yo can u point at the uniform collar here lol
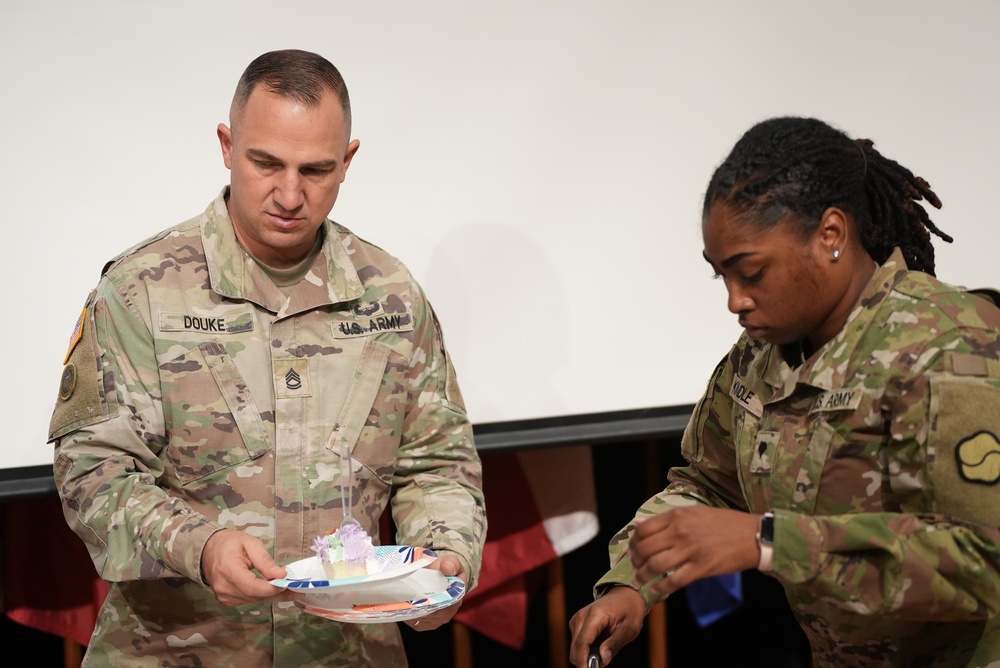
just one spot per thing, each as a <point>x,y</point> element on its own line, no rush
<point>829,366</point>
<point>233,273</point>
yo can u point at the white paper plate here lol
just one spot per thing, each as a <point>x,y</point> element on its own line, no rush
<point>416,595</point>
<point>397,561</point>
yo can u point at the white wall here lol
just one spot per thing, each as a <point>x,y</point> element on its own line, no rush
<point>539,165</point>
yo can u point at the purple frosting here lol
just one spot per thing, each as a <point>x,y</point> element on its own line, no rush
<point>357,543</point>
<point>321,545</point>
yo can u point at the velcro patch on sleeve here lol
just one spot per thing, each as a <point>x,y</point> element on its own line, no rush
<point>75,336</point>
<point>81,400</point>
<point>964,439</point>
<point>78,328</point>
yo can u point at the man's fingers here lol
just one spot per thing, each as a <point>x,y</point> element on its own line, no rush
<point>450,565</point>
<point>261,560</point>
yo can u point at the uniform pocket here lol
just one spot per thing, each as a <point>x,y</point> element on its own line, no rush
<point>371,421</point>
<point>812,466</point>
<point>212,420</point>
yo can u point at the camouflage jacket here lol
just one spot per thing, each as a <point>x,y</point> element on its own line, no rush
<point>196,397</point>
<point>880,457</point>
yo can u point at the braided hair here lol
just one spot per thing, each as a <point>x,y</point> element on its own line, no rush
<point>802,166</point>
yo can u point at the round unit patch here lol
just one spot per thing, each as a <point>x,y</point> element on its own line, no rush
<point>68,382</point>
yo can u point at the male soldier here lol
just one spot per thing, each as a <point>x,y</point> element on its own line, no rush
<point>215,374</point>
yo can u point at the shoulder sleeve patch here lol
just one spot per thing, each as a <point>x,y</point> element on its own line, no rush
<point>964,446</point>
<point>978,458</point>
<point>74,338</point>
<point>81,396</point>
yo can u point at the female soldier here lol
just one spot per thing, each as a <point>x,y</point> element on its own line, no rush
<point>849,443</point>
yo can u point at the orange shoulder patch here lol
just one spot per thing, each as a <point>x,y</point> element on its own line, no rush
<point>77,334</point>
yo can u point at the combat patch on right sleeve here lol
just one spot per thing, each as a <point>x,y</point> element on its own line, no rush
<point>80,399</point>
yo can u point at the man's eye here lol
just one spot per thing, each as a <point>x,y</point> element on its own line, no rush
<point>264,164</point>
<point>754,278</point>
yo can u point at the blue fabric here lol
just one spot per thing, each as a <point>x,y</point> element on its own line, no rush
<point>713,598</point>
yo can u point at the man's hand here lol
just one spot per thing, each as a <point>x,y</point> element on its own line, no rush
<point>449,565</point>
<point>229,561</point>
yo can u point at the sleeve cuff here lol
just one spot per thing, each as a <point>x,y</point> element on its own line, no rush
<point>187,546</point>
<point>622,574</point>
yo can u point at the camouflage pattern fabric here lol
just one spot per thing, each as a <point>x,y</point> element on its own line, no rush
<point>198,397</point>
<point>880,456</point>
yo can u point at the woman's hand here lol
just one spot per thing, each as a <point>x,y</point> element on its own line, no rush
<point>619,611</point>
<point>688,544</point>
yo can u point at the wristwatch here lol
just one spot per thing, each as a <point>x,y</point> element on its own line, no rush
<point>765,539</point>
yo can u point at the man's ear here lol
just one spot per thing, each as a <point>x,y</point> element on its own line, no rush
<point>226,142</point>
<point>352,149</point>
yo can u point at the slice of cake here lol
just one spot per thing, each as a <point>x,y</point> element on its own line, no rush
<point>346,553</point>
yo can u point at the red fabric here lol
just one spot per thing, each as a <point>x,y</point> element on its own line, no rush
<point>49,582</point>
<point>517,544</point>
<point>501,614</point>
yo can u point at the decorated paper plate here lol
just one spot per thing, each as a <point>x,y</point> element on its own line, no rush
<point>397,561</point>
<point>418,594</point>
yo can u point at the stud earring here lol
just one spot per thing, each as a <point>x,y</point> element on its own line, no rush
<point>836,255</point>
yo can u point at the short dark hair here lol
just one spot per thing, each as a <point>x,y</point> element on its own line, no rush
<point>802,166</point>
<point>294,74</point>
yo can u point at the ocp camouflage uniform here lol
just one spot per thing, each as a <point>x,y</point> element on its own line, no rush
<point>880,457</point>
<point>199,398</point>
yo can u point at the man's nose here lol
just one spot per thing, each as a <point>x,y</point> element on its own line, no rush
<point>288,191</point>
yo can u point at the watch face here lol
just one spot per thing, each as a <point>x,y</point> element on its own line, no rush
<point>767,529</point>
